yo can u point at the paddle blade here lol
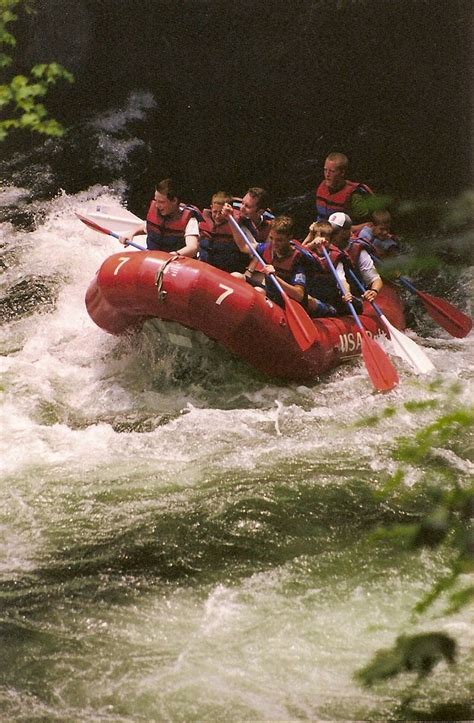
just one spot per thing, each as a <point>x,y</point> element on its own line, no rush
<point>299,324</point>
<point>379,367</point>
<point>95,226</point>
<point>446,315</point>
<point>408,350</point>
<point>116,219</point>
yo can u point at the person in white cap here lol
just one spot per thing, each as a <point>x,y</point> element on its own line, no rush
<point>324,295</point>
<point>361,260</point>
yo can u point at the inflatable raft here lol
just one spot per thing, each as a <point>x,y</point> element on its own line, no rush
<point>185,294</point>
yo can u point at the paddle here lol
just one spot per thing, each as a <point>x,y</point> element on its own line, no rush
<point>298,321</point>
<point>379,367</point>
<point>403,346</point>
<point>445,314</point>
<point>96,227</point>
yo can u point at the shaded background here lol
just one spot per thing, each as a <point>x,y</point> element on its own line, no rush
<point>257,93</point>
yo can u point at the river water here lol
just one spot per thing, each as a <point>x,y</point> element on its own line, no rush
<point>183,540</point>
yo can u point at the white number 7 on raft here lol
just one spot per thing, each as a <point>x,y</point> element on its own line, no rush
<point>228,291</point>
<point>122,260</point>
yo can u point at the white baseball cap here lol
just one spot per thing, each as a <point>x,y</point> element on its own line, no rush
<point>340,220</point>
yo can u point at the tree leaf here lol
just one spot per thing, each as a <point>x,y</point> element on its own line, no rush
<point>411,654</point>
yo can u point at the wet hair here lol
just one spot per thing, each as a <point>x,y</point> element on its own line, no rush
<point>322,228</point>
<point>260,195</point>
<point>283,224</point>
<point>222,197</point>
<point>167,187</point>
<point>341,160</point>
<point>381,216</point>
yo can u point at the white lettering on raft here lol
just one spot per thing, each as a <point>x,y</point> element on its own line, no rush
<point>228,290</point>
<point>351,342</point>
<point>122,260</point>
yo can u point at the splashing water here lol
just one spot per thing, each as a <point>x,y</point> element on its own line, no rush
<point>183,540</point>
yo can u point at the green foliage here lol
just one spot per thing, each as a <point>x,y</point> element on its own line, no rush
<point>421,406</point>
<point>433,528</point>
<point>460,212</point>
<point>410,654</point>
<point>401,535</point>
<point>393,483</point>
<point>447,522</point>
<point>7,16</point>
<point>19,95</point>
<point>372,419</point>
<point>421,262</point>
<point>437,434</point>
<point>461,598</point>
<point>363,205</point>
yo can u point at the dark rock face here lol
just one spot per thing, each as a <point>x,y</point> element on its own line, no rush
<point>259,93</point>
<point>27,296</point>
<point>60,32</point>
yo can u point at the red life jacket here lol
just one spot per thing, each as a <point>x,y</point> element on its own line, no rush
<point>335,254</point>
<point>222,232</point>
<point>354,250</point>
<point>217,246</point>
<point>363,243</point>
<point>165,233</point>
<point>284,268</point>
<point>260,232</point>
<point>320,281</point>
<point>328,203</point>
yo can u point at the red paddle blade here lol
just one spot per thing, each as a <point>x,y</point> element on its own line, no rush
<point>446,315</point>
<point>95,226</point>
<point>300,324</point>
<point>379,367</point>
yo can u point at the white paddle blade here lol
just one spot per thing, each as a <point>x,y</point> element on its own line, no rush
<point>118,220</point>
<point>408,350</point>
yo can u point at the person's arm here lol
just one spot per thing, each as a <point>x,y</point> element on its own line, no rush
<point>316,244</point>
<point>295,290</point>
<point>228,211</point>
<point>370,276</point>
<point>129,235</point>
<point>365,233</point>
<point>252,267</point>
<point>191,238</point>
<point>309,236</point>
<point>357,228</point>
<point>313,241</point>
<point>342,276</point>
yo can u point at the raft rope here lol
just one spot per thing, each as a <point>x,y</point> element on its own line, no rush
<point>159,277</point>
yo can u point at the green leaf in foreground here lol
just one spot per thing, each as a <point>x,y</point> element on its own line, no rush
<point>410,654</point>
<point>18,94</point>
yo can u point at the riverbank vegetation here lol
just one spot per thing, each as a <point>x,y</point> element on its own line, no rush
<point>20,94</point>
<point>433,451</point>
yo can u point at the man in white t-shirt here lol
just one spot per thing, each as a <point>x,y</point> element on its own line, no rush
<point>361,260</point>
<point>170,225</point>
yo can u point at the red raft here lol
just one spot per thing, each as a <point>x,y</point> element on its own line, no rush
<point>133,287</point>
